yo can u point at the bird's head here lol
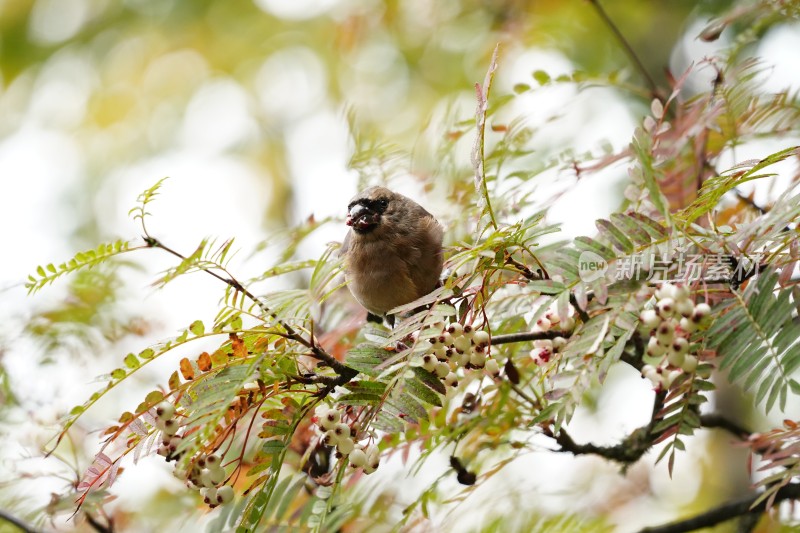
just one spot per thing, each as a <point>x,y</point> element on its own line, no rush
<point>367,209</point>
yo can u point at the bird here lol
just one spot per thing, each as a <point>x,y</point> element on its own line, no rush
<point>392,253</point>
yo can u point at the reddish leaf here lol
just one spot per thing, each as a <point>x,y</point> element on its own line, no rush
<point>186,369</point>
<point>204,362</point>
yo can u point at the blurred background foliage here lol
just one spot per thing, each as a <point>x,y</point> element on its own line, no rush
<point>121,77</point>
<point>109,85</point>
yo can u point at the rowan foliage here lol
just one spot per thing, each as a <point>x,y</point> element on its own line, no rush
<point>688,281</point>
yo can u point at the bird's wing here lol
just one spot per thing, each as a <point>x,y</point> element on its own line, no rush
<point>424,257</point>
<point>345,245</point>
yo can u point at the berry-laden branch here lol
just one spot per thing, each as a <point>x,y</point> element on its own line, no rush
<point>741,507</point>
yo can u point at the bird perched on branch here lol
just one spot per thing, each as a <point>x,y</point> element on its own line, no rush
<point>393,251</point>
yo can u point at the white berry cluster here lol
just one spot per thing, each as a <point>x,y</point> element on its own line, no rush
<point>168,424</point>
<point>338,434</point>
<point>670,324</point>
<point>206,475</point>
<point>456,347</point>
<point>544,349</point>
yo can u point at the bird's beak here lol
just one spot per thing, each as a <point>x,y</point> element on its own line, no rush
<point>361,217</point>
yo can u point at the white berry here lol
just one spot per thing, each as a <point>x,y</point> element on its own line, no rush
<point>329,438</point>
<point>480,338</point>
<point>209,495</point>
<point>667,290</point>
<point>685,308</point>
<point>357,458</point>
<point>216,474</point>
<point>442,369</point>
<point>546,344</point>
<point>688,325</point>
<point>429,362</point>
<point>342,431</point>
<point>477,359</point>
<point>650,318</point>
<point>700,312</point>
<point>654,349</point>
<point>462,344</point>
<point>675,358</point>
<point>665,333</point>
<point>665,308</point>
<point>165,410</point>
<point>225,494</point>
<point>455,329</point>
<point>345,446</point>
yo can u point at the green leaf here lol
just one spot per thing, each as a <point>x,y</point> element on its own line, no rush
<point>87,259</point>
<point>642,146</point>
<point>131,361</point>
<point>197,328</point>
<point>716,187</point>
<point>755,337</point>
<point>547,286</point>
<point>591,245</point>
<point>430,380</point>
<point>360,398</point>
<point>615,235</point>
<point>542,77</point>
<point>365,357</point>
<point>422,392</point>
<point>407,408</point>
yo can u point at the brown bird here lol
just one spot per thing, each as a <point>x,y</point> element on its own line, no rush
<point>393,251</point>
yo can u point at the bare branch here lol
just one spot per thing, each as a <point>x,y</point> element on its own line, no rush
<point>723,513</point>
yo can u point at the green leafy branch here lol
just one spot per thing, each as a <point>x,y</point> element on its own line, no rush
<point>87,259</point>
<point>756,338</point>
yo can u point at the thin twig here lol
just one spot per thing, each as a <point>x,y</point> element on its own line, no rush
<point>626,47</point>
<point>316,351</point>
<point>573,300</point>
<point>526,336</point>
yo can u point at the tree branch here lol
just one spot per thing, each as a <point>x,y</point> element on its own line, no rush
<point>635,445</point>
<point>316,351</point>
<point>627,452</point>
<point>713,420</point>
<point>526,336</point>
<point>725,512</point>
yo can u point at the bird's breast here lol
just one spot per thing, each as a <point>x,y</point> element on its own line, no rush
<point>378,275</point>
